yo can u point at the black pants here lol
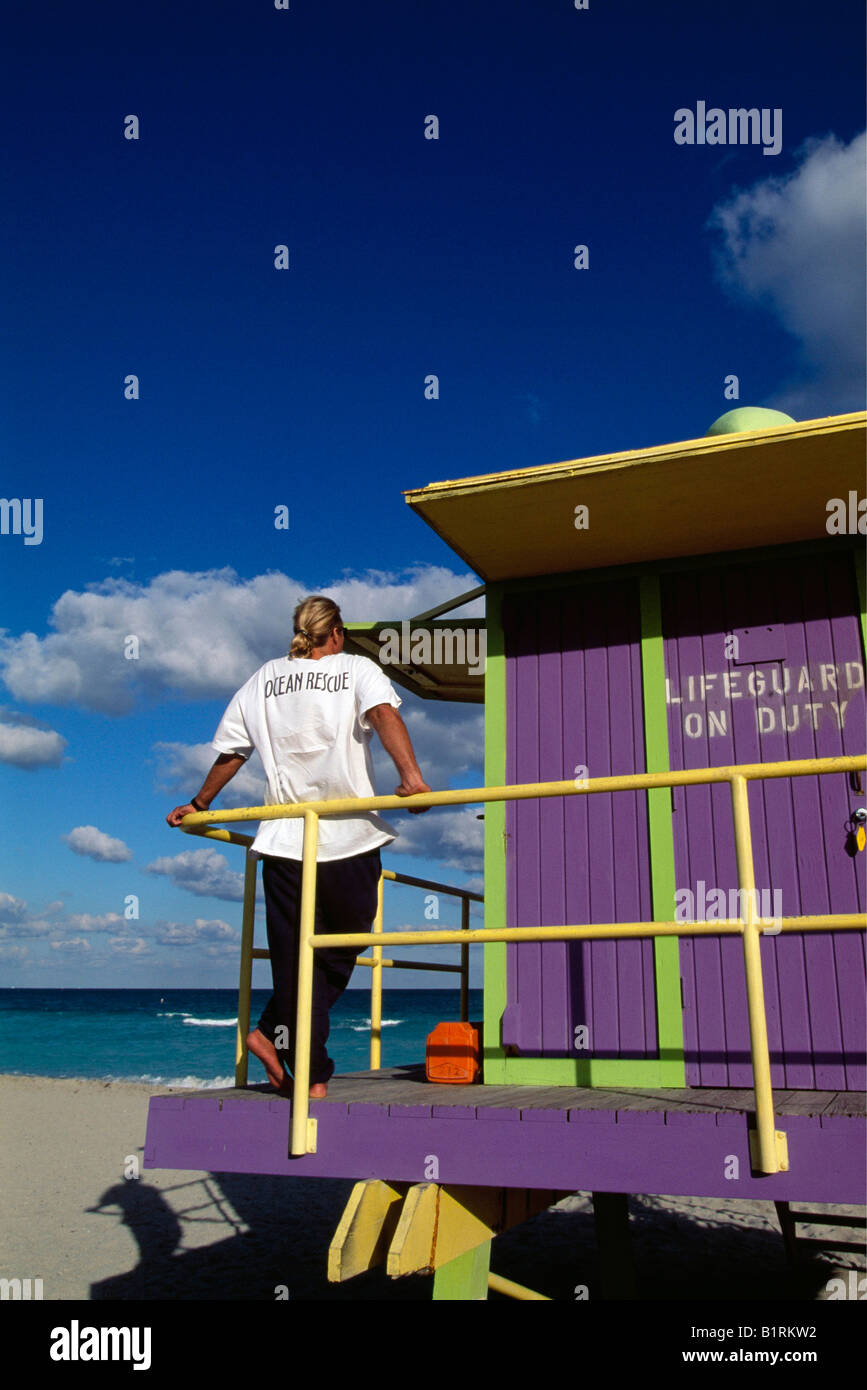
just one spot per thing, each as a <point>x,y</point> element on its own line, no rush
<point>346,891</point>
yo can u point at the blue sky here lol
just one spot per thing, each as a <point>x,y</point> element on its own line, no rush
<point>304,387</point>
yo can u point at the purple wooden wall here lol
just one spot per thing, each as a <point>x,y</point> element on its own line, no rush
<point>573,697</point>
<point>796,626</point>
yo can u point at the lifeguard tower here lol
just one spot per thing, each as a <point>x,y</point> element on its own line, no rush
<point>674,802</point>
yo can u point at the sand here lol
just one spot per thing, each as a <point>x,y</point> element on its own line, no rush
<point>71,1216</point>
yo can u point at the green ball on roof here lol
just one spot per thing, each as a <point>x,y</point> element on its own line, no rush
<point>749,417</point>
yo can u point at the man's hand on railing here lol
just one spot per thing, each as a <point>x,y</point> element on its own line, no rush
<point>412,787</point>
<point>176,816</point>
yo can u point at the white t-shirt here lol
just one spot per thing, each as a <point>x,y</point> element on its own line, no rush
<point>306,720</point>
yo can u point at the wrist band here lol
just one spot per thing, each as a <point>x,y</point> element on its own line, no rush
<point>194,802</point>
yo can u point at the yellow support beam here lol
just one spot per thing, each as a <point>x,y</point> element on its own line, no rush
<point>768,1155</point>
<point>513,1290</point>
<point>853,921</point>
<point>366,1228</point>
<point>437,1224</point>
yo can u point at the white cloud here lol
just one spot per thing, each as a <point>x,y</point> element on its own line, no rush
<point>12,910</point>
<point>452,838</point>
<point>129,946</point>
<point>202,871</point>
<point>203,931</point>
<point>448,740</point>
<point>11,953</point>
<point>16,918</point>
<point>77,945</point>
<point>796,245</point>
<point>95,844</point>
<point>88,921</point>
<point>200,635</point>
<point>27,742</point>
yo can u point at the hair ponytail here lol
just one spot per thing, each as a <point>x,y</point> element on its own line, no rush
<point>313,620</point>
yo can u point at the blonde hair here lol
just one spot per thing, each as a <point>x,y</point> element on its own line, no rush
<point>313,621</point>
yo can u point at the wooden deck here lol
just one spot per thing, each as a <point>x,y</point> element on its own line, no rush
<point>392,1124</point>
<point>398,1087</point>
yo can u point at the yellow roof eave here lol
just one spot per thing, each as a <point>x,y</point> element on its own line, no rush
<point>696,496</point>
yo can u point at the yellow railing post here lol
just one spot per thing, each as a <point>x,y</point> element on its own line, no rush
<point>376,988</point>
<point>765,1122</point>
<point>465,963</point>
<point>301,1070</point>
<point>245,980</point>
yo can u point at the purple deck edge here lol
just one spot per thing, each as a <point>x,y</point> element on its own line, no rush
<point>651,1152</point>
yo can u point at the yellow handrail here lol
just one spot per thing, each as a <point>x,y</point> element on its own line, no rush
<point>768,1157</point>
<point>632,781</point>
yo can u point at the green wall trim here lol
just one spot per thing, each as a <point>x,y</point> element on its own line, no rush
<point>647,1072</point>
<point>860,558</point>
<point>666,950</point>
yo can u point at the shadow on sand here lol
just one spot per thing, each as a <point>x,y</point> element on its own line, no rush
<point>270,1238</point>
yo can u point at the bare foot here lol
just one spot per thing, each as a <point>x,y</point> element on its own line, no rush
<point>319,1090</point>
<point>264,1049</point>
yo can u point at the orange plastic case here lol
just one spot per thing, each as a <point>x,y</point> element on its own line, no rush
<point>453,1053</point>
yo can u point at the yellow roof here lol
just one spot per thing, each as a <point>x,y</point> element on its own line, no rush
<point>698,496</point>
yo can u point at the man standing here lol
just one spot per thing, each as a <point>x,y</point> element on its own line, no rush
<point>310,716</point>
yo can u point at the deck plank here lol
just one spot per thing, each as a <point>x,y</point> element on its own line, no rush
<point>846,1103</point>
<point>400,1087</point>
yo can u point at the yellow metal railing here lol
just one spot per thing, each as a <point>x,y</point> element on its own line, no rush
<point>770,1152</point>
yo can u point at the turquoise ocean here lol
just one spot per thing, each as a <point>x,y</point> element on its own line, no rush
<point>186,1037</point>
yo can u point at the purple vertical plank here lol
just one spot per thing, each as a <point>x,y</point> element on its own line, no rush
<point>576,808</point>
<point>628,905</point>
<point>554,955</point>
<point>831,832</point>
<point>810,893</point>
<point>748,600</point>
<point>512,1009</point>
<point>619,861</point>
<point>780,841</point>
<point>635,959</point>
<point>522,766</point>
<point>671,622</point>
<point>602,954</point>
